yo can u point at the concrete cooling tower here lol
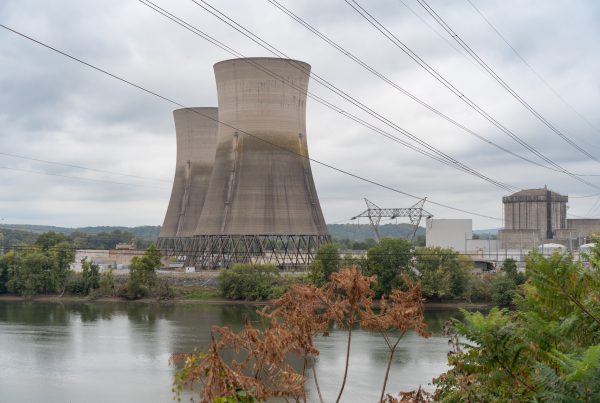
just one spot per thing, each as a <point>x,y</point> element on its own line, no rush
<point>261,205</point>
<point>196,133</point>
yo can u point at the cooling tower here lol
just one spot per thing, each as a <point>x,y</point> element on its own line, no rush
<point>261,202</point>
<point>196,133</point>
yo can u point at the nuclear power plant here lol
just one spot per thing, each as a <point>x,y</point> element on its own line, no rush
<point>538,216</point>
<point>243,190</point>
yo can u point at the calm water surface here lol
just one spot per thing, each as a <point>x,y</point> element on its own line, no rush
<point>116,352</point>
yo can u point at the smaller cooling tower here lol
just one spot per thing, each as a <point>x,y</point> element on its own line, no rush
<point>196,133</point>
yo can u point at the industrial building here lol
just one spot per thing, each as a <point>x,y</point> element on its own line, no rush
<point>243,189</point>
<point>449,233</point>
<point>534,217</point>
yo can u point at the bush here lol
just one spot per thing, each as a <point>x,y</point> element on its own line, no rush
<point>107,283</point>
<point>135,289</point>
<point>250,282</point>
<point>163,291</point>
<point>480,289</point>
<point>504,290</point>
<point>76,285</point>
<point>106,286</point>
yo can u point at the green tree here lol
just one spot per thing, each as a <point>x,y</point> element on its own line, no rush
<point>387,260</point>
<point>31,273</point>
<point>443,272</point>
<point>142,273</point>
<point>62,256</point>
<point>433,265</point>
<point>50,239</point>
<point>90,273</point>
<point>327,261</point>
<point>6,262</point>
<point>546,350</point>
<point>509,266</point>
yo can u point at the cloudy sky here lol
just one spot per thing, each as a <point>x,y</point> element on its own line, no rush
<point>55,110</point>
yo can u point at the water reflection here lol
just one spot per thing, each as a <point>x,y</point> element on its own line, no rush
<point>99,352</point>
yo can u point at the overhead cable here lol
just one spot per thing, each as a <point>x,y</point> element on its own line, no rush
<point>82,167</point>
<point>171,101</point>
<point>534,71</point>
<point>430,151</point>
<point>417,59</point>
<point>501,82</point>
<point>402,90</point>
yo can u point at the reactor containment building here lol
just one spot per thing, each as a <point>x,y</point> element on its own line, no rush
<point>243,189</point>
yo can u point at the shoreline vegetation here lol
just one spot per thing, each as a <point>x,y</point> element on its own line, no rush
<point>445,276</point>
<point>544,348</point>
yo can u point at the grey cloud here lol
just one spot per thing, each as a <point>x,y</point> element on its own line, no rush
<point>53,109</point>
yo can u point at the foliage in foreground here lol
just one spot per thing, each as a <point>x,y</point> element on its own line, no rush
<point>261,368</point>
<point>547,350</point>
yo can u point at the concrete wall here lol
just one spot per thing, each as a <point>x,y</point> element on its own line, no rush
<point>448,233</point>
<point>530,213</point>
<point>520,239</point>
<point>196,132</point>
<point>105,258</point>
<point>100,257</point>
<point>261,187</point>
<point>584,226</point>
<point>482,245</point>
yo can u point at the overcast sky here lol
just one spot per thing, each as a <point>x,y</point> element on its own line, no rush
<point>54,109</point>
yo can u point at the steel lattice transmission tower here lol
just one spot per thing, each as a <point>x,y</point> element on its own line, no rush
<point>375,213</point>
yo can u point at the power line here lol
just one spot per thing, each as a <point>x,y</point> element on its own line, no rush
<point>585,196</point>
<point>417,59</point>
<point>428,25</point>
<point>437,154</point>
<point>387,80</point>
<point>82,167</point>
<point>500,81</point>
<point>164,98</point>
<point>78,178</point>
<point>538,75</point>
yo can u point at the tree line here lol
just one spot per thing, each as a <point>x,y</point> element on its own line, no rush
<point>44,267</point>
<point>444,274</point>
<point>13,239</point>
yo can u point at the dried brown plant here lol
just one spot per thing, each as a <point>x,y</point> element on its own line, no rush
<point>415,396</point>
<point>403,311</point>
<point>292,323</point>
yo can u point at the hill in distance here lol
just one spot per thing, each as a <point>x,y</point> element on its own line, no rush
<point>362,232</point>
<point>353,232</point>
<point>144,232</point>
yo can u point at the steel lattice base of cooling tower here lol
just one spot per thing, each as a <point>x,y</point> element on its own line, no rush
<point>216,251</point>
<point>175,246</point>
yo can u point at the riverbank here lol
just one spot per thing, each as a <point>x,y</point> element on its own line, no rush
<point>214,299</point>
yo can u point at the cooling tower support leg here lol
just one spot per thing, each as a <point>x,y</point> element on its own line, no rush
<point>176,247</point>
<point>283,251</point>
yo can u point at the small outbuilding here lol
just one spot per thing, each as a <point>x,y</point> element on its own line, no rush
<point>550,248</point>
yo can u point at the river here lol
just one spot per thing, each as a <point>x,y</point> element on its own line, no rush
<point>101,352</point>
